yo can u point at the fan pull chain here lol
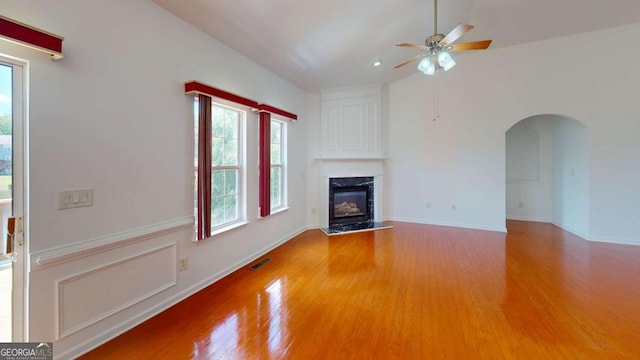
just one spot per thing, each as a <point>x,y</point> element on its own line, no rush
<point>435,98</point>
<point>436,108</point>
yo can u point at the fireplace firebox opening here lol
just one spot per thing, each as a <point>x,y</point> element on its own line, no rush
<point>350,200</point>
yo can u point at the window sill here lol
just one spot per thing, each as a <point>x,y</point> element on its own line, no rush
<point>226,229</point>
<point>280,210</point>
<point>275,212</point>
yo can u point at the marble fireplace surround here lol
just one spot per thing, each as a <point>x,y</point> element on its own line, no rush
<point>342,168</point>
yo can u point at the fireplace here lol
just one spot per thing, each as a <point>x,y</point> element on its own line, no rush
<point>351,196</point>
<point>350,200</point>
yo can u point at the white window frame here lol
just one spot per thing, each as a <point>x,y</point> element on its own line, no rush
<point>241,167</point>
<point>283,167</point>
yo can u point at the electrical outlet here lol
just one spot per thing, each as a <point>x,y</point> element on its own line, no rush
<point>183,264</point>
<point>453,207</point>
<point>428,205</point>
<point>520,205</point>
<point>313,211</point>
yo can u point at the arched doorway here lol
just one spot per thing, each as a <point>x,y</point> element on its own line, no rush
<point>547,172</point>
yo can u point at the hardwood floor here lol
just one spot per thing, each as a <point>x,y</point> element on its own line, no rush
<point>411,292</point>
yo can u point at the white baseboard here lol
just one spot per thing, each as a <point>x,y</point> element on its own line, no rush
<point>614,240</point>
<point>449,224</point>
<point>611,240</point>
<point>107,335</point>
<point>601,239</point>
<point>528,218</point>
<point>571,230</point>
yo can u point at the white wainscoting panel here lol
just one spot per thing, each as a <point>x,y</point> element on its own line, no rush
<point>350,123</point>
<point>98,293</point>
<point>353,131</point>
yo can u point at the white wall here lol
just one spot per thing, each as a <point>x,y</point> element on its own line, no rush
<point>529,170</point>
<point>112,116</point>
<point>460,158</point>
<point>571,176</point>
<point>449,171</point>
<point>314,188</point>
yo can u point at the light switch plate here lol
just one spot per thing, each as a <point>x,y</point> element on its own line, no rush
<point>68,199</point>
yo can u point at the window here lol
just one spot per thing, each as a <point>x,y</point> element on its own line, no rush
<point>225,188</point>
<point>278,177</point>
<point>226,165</point>
<point>220,182</point>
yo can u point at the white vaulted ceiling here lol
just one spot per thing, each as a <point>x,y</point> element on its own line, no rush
<point>333,43</point>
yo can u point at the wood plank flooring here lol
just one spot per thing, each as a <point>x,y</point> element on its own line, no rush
<point>410,292</point>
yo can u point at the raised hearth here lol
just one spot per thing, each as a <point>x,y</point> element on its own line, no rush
<point>351,228</point>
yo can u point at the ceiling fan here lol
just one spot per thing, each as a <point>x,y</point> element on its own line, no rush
<point>437,47</point>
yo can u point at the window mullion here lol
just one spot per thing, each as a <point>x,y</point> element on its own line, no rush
<point>225,167</point>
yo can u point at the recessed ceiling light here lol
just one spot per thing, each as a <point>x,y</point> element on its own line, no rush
<point>377,63</point>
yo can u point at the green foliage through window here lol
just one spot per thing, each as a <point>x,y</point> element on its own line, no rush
<point>225,172</point>
<point>277,164</point>
<point>5,124</point>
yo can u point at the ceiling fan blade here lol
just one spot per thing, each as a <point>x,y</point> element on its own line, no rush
<point>473,45</point>
<point>456,33</point>
<point>408,61</point>
<point>421,47</point>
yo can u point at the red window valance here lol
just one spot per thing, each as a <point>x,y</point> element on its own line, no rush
<point>194,87</point>
<point>23,34</point>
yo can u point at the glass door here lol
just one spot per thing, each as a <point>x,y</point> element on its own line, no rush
<point>12,254</point>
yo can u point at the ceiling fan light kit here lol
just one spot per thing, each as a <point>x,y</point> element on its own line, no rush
<point>437,48</point>
<point>445,60</point>
<point>427,66</point>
